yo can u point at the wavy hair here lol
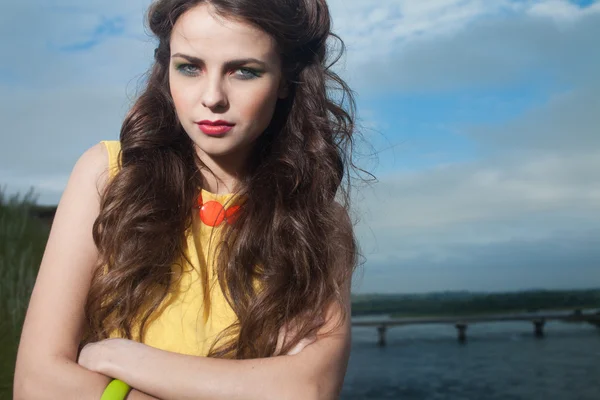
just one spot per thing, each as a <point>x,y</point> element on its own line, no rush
<point>293,236</point>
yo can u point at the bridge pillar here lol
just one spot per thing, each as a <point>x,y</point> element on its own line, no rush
<point>538,327</point>
<point>462,332</point>
<point>381,330</point>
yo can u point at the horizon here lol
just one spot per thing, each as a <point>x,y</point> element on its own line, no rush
<point>520,291</point>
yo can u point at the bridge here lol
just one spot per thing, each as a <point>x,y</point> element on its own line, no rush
<point>538,320</point>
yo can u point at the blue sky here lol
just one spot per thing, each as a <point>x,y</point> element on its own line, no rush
<point>483,115</point>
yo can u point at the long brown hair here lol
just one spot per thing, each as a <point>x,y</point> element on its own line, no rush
<point>293,235</point>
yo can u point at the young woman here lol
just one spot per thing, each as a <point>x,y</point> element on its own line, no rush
<point>207,254</point>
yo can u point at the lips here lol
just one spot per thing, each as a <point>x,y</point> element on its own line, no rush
<point>214,128</point>
<point>215,123</point>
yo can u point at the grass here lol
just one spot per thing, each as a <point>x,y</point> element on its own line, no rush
<point>22,242</point>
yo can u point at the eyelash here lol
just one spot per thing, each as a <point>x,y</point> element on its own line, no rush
<point>182,69</point>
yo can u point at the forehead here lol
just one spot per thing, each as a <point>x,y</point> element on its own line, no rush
<point>201,32</point>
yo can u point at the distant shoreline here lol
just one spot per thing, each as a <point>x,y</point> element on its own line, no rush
<point>499,312</point>
<point>464,304</point>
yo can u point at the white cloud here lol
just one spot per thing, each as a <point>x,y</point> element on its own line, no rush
<point>562,10</point>
<point>480,52</point>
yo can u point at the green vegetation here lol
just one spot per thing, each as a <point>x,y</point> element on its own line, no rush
<point>467,303</point>
<point>22,242</point>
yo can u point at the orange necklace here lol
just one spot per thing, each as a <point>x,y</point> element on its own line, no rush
<point>212,213</point>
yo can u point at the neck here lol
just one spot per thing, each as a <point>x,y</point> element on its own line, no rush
<point>222,174</point>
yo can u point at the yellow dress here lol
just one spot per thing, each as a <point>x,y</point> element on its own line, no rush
<point>181,326</point>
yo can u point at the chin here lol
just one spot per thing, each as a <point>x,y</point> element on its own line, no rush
<point>220,148</point>
<point>218,153</point>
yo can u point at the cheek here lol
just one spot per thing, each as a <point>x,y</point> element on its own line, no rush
<point>258,107</point>
<point>181,97</point>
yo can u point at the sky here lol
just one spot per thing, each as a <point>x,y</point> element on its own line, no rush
<point>479,118</point>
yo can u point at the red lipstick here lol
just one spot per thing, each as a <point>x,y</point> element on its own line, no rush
<point>215,128</point>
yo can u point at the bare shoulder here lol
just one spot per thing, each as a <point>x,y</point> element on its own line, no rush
<point>92,166</point>
<point>97,153</point>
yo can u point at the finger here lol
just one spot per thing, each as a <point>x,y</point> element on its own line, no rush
<point>302,344</point>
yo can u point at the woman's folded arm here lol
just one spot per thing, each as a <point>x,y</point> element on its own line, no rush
<point>46,365</point>
<point>316,373</point>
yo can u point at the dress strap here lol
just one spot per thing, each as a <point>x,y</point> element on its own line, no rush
<point>114,152</point>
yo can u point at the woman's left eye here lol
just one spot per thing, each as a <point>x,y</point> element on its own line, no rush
<point>248,73</point>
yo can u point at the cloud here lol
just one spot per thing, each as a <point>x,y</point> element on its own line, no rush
<point>106,28</point>
<point>562,10</point>
<point>522,48</point>
<point>441,197</point>
<point>563,260</point>
<point>567,124</point>
<point>71,44</point>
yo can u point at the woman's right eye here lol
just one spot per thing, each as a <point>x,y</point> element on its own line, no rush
<point>188,69</point>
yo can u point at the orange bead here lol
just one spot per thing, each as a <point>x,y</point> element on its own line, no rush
<point>212,213</point>
<point>231,214</point>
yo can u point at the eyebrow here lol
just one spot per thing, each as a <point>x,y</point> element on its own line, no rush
<point>228,64</point>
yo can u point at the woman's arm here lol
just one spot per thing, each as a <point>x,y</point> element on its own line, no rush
<point>46,365</point>
<point>317,372</point>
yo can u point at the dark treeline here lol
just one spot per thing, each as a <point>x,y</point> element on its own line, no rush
<point>467,303</point>
<point>44,213</point>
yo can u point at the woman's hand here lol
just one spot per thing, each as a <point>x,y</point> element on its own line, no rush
<point>287,332</point>
<point>97,356</point>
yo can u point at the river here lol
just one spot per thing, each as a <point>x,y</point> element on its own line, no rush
<point>502,361</point>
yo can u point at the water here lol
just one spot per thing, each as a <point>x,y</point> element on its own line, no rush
<point>499,361</point>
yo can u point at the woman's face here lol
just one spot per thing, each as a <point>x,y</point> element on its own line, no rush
<point>225,70</point>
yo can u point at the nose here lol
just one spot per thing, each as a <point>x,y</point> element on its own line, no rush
<point>214,94</point>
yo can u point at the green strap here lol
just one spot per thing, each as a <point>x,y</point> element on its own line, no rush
<point>116,390</point>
